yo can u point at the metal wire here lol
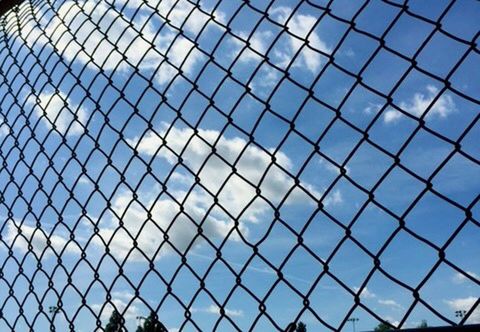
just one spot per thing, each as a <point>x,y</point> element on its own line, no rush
<point>96,93</point>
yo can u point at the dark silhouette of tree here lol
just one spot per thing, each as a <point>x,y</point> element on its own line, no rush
<point>115,323</point>
<point>291,327</point>
<point>152,324</point>
<point>302,327</point>
<point>383,327</point>
<point>423,324</point>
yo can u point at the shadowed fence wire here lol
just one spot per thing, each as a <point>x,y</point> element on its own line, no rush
<point>60,60</point>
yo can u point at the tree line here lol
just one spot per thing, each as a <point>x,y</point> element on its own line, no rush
<point>382,327</point>
<point>116,323</point>
<point>151,323</point>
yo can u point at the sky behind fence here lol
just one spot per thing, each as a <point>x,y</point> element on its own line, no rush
<point>237,165</point>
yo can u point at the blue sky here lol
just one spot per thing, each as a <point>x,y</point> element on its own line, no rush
<point>97,132</point>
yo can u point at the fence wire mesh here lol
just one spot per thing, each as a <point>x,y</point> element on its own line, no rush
<point>228,165</point>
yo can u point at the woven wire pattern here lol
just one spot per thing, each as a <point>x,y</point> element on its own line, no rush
<point>238,165</point>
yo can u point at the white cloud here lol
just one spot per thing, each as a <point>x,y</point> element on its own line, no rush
<point>418,105</point>
<point>165,213</point>
<point>57,109</point>
<point>466,304</point>
<point>461,278</point>
<point>37,239</point>
<point>83,36</point>
<point>301,25</point>
<point>391,116</point>
<point>4,129</point>
<point>94,34</point>
<point>105,311</point>
<point>282,53</point>
<point>84,180</point>
<point>180,178</point>
<point>180,13</point>
<point>215,310</point>
<point>237,193</point>
<point>237,196</point>
<point>259,43</point>
<point>366,293</point>
<point>183,14</point>
<point>390,303</point>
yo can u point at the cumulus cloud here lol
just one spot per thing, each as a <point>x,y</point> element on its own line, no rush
<point>180,214</point>
<point>56,109</point>
<point>94,34</point>
<point>391,116</point>
<point>302,27</point>
<point>466,304</point>
<point>419,103</point>
<point>79,34</point>
<point>215,310</point>
<point>26,238</point>
<point>182,14</point>
<point>166,218</point>
<point>215,170</point>
<point>259,44</point>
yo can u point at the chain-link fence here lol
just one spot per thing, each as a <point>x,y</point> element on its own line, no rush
<point>227,165</point>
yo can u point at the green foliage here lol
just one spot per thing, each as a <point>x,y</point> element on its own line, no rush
<point>423,324</point>
<point>152,324</point>
<point>383,327</point>
<point>302,327</point>
<point>115,323</point>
